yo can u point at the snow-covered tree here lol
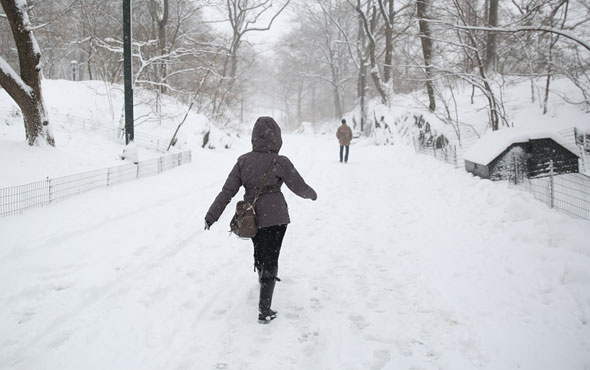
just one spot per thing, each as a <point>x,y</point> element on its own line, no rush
<point>25,88</point>
<point>367,12</point>
<point>422,7</point>
<point>159,11</point>
<point>244,16</point>
<point>316,62</point>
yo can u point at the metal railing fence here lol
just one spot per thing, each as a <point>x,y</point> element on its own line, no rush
<point>567,193</point>
<point>447,154</point>
<point>16,199</point>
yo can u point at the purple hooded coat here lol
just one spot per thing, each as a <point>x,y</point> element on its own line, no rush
<point>271,207</point>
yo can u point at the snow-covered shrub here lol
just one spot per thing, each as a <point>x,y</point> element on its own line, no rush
<point>414,126</point>
<point>305,128</point>
<point>214,138</point>
<point>382,132</point>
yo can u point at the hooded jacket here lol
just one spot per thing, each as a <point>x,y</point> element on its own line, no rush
<point>271,207</point>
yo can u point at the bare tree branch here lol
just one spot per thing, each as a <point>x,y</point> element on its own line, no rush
<point>515,30</point>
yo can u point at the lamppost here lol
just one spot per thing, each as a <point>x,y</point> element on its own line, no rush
<point>128,71</point>
<point>74,64</point>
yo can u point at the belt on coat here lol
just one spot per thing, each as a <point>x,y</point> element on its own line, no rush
<point>266,190</point>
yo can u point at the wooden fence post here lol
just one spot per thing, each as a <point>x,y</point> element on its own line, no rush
<point>552,183</point>
<point>515,166</point>
<point>584,148</point>
<point>49,189</point>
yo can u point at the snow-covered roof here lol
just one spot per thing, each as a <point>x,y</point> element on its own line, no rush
<point>494,143</point>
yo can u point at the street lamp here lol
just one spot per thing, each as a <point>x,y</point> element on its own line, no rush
<point>127,71</point>
<point>74,64</point>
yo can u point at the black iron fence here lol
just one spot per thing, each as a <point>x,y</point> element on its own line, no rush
<point>16,199</point>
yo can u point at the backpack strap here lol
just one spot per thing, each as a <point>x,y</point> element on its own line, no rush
<point>265,179</point>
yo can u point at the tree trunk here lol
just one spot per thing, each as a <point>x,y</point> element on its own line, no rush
<point>547,84</point>
<point>313,103</point>
<point>89,64</point>
<point>493,104</point>
<point>375,74</point>
<point>163,51</point>
<point>362,82</point>
<point>337,102</point>
<point>549,75</point>
<point>160,15</point>
<point>387,68</point>
<point>490,58</point>
<point>371,49</point>
<point>335,79</point>
<point>362,93</point>
<point>552,41</point>
<point>26,88</point>
<point>300,103</point>
<point>426,39</point>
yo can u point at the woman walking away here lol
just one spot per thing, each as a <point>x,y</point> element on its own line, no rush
<point>251,171</point>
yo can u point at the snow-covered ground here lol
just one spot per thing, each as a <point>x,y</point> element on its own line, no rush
<point>401,263</point>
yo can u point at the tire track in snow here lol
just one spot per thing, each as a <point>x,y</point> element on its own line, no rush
<point>124,277</point>
<point>115,218</point>
<point>109,289</point>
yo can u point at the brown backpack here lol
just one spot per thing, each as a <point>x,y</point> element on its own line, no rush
<point>244,223</point>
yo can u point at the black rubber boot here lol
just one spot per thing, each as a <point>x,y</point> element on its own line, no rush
<point>267,287</point>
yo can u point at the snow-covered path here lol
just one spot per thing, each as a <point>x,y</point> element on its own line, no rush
<point>402,263</point>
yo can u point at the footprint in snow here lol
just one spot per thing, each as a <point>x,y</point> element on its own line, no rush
<point>307,336</point>
<point>380,359</point>
<point>358,321</point>
<point>315,303</point>
<point>26,316</point>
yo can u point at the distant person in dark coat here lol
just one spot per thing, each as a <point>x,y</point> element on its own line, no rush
<point>344,135</point>
<point>271,207</point>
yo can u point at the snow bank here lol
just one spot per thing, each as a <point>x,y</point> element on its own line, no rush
<point>306,128</point>
<point>86,118</point>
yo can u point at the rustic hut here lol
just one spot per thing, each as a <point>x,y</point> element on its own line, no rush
<point>503,154</point>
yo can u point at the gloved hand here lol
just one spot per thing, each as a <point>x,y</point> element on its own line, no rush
<point>207,225</point>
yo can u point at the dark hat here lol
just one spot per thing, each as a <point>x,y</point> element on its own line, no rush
<point>343,120</point>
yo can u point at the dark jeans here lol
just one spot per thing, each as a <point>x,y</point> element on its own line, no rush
<point>345,155</point>
<point>267,247</point>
